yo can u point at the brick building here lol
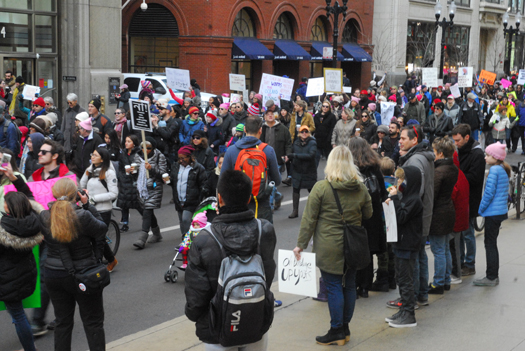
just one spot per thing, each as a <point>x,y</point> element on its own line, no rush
<point>213,38</point>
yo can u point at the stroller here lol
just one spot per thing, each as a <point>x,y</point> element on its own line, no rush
<point>210,205</point>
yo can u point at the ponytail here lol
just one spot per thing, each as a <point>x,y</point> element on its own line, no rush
<point>64,222</point>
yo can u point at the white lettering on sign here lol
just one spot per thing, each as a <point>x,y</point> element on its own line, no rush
<point>3,32</point>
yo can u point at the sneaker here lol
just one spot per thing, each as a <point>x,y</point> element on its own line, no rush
<point>486,282</point>
<point>405,320</point>
<point>395,303</point>
<point>52,325</point>
<point>183,267</point>
<point>394,316</point>
<point>435,290</point>
<point>467,271</point>
<point>111,266</point>
<point>38,330</point>
<point>124,228</point>
<point>455,280</point>
<point>277,303</point>
<point>422,302</point>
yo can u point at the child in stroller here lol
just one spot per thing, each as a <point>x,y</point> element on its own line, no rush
<point>199,221</point>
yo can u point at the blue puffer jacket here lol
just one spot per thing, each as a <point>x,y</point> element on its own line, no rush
<point>520,111</point>
<point>187,129</point>
<point>494,201</point>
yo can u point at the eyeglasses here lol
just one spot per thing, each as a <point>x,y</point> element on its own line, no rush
<point>326,106</point>
<point>44,152</point>
<point>93,154</point>
<point>364,115</point>
<point>196,137</point>
<point>237,106</point>
<point>149,148</point>
<point>118,113</point>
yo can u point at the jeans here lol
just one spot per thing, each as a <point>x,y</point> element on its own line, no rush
<point>440,249</point>
<point>108,253</point>
<point>23,329</point>
<point>405,279</point>
<point>125,215</point>
<point>148,219</point>
<point>39,314</point>
<point>260,345</point>
<point>65,296</point>
<point>184,221</point>
<point>322,151</point>
<point>492,224</point>
<point>475,134</point>
<point>468,240</point>
<point>341,299</point>
<point>421,273</point>
<point>448,256</point>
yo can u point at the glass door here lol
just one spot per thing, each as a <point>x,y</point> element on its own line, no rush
<point>45,78</point>
<point>20,67</point>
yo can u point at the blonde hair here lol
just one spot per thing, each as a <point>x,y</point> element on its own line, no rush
<point>64,221</point>
<point>340,165</point>
<point>349,113</point>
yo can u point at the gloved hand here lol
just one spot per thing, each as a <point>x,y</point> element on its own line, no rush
<point>20,97</point>
<point>181,249</point>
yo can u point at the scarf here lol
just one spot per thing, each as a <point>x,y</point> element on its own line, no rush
<point>232,209</point>
<point>119,125</point>
<point>142,182</point>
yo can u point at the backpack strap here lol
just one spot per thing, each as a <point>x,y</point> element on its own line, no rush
<point>104,184</point>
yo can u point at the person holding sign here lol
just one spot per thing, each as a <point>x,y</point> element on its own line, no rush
<point>322,221</point>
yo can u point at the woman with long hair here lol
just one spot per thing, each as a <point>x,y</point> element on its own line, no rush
<point>285,117</point>
<point>367,128</point>
<point>78,232</point>
<point>343,128</point>
<point>100,181</point>
<point>113,146</point>
<point>324,122</point>
<point>127,182</point>
<point>322,221</point>
<point>368,163</point>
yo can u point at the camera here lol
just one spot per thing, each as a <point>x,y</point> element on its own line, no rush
<point>82,192</point>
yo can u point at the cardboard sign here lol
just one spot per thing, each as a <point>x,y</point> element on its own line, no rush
<point>347,90</point>
<point>276,88</point>
<point>387,112</point>
<point>140,117</point>
<point>297,277</point>
<point>505,83</point>
<point>486,77</point>
<point>235,98</point>
<point>315,87</point>
<point>390,222</point>
<point>32,301</point>
<point>178,78</point>
<point>30,92</point>
<point>465,77</point>
<point>430,76</point>
<point>333,80</point>
<point>237,82</point>
<point>521,77</point>
<point>454,90</point>
<point>328,53</point>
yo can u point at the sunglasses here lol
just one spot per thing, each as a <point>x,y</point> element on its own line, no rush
<point>118,113</point>
<point>44,152</point>
<point>304,132</point>
<point>195,113</point>
<point>196,138</point>
<point>364,115</point>
<point>237,106</point>
<point>326,106</point>
<point>149,148</point>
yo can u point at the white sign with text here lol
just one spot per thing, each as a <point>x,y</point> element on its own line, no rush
<point>333,80</point>
<point>178,79</point>
<point>276,88</point>
<point>237,82</point>
<point>297,277</point>
<point>315,87</point>
<point>465,77</point>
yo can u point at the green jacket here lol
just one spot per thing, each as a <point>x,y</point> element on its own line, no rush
<point>321,220</point>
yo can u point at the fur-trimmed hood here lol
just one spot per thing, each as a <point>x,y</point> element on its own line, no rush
<point>23,234</point>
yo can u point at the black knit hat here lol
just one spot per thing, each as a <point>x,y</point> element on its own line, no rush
<point>96,103</point>
<point>152,141</point>
<point>200,133</point>
<point>19,80</point>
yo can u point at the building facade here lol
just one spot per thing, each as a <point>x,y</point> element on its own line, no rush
<point>212,38</point>
<point>406,39</point>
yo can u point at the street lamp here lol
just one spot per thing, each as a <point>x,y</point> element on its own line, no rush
<point>336,10</point>
<point>444,24</point>
<point>510,31</point>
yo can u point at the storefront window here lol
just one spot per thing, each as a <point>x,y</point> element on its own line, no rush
<point>421,38</point>
<point>243,25</point>
<point>318,30</point>
<point>283,28</point>
<point>45,5</point>
<point>16,4</point>
<point>351,31</point>
<point>45,33</point>
<point>15,32</point>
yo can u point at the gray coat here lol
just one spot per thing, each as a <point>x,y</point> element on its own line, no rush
<point>154,182</point>
<point>68,125</point>
<point>415,111</point>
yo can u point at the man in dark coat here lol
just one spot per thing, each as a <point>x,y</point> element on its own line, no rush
<point>85,145</point>
<point>101,123</point>
<point>470,113</point>
<point>472,163</point>
<point>68,123</point>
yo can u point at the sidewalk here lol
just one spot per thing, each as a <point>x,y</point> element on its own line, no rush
<point>465,318</point>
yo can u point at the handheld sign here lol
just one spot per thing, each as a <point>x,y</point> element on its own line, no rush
<point>333,80</point>
<point>237,82</point>
<point>315,87</point>
<point>454,90</point>
<point>486,77</point>
<point>178,78</point>
<point>465,77</point>
<point>430,77</point>
<point>141,120</point>
<point>521,77</point>
<point>297,277</point>
<point>30,92</point>
<point>276,88</point>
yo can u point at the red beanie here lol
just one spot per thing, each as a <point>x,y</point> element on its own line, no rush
<point>193,109</point>
<point>40,102</point>
<point>364,92</point>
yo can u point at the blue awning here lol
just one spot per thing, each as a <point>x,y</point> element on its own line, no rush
<point>250,49</point>
<point>354,53</point>
<point>289,50</point>
<point>317,51</point>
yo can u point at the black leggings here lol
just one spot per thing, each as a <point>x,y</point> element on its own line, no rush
<point>297,190</point>
<point>149,221</point>
<point>108,253</point>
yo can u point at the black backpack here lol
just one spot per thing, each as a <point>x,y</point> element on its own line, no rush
<point>18,133</point>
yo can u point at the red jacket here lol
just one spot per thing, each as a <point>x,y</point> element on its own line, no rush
<point>460,198</point>
<point>62,171</point>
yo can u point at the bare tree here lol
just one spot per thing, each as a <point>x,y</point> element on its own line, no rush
<point>385,46</point>
<point>421,46</point>
<point>495,53</point>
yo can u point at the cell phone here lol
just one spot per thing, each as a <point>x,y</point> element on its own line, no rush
<point>6,159</point>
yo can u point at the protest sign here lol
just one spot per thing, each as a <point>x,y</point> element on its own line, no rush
<point>178,79</point>
<point>347,90</point>
<point>430,76</point>
<point>387,112</point>
<point>465,77</point>
<point>521,77</point>
<point>315,87</point>
<point>505,83</point>
<point>333,80</point>
<point>297,277</point>
<point>275,88</point>
<point>486,77</point>
<point>440,83</point>
<point>140,118</point>
<point>454,90</point>
<point>245,96</point>
<point>235,98</point>
<point>30,92</point>
<point>237,82</point>
<point>390,222</point>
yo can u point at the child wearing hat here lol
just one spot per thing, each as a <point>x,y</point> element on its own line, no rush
<point>493,207</point>
<point>199,222</point>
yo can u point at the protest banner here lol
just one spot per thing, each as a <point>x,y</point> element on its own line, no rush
<point>390,222</point>
<point>505,83</point>
<point>430,77</point>
<point>237,82</point>
<point>454,90</point>
<point>333,80</point>
<point>315,87</point>
<point>465,77</point>
<point>235,98</point>
<point>521,77</point>
<point>178,79</point>
<point>141,120</point>
<point>30,92</point>
<point>486,77</point>
<point>387,112</point>
<point>297,277</point>
<point>275,88</point>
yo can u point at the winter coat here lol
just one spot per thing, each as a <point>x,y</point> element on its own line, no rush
<point>68,126</point>
<point>60,171</point>
<point>472,163</point>
<point>342,132</point>
<point>155,183</point>
<point>415,111</point>
<point>322,221</point>
<point>500,124</point>
<point>128,195</point>
<point>18,271</point>
<point>282,140</point>
<point>409,212</point>
<point>206,158</point>
<point>86,249</point>
<point>306,120</point>
<point>228,123</point>
<point>304,169</point>
<point>460,198</point>
<point>422,156</point>
<point>56,134</point>
<point>438,126</point>
<point>375,226</point>
<point>169,134</point>
<point>83,151</point>
<point>101,125</point>
<point>324,127</point>
<point>102,195</point>
<point>123,100</point>
<point>386,146</point>
<point>444,214</point>
<point>473,116</point>
<point>520,112</point>
<point>196,187</point>
<point>187,129</point>
<point>239,234</point>
<point>452,112</point>
<point>367,129</point>
<point>495,197</point>
<point>215,135</point>
<point>9,138</point>
<point>240,117</point>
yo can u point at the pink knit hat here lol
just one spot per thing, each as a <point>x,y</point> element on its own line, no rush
<point>200,219</point>
<point>86,124</point>
<point>225,105</point>
<point>392,98</point>
<point>258,96</point>
<point>354,98</point>
<point>497,151</point>
<point>145,83</point>
<point>372,107</point>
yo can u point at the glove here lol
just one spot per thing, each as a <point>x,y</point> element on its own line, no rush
<point>517,119</point>
<point>20,97</point>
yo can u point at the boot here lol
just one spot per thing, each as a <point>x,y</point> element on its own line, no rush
<point>277,204</point>
<point>381,283</point>
<point>295,212</point>
<point>124,228</point>
<point>141,242</point>
<point>322,292</point>
<point>287,181</point>
<point>334,336</point>
<point>156,237</point>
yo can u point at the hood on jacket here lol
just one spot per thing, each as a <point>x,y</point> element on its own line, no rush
<point>247,142</point>
<point>240,241</point>
<point>23,234</point>
<point>413,181</point>
<point>275,125</point>
<point>349,185</point>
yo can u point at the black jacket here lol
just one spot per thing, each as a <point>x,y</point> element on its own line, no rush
<point>83,150</point>
<point>101,124</point>
<point>123,100</point>
<point>438,127</point>
<point>386,145</point>
<point>238,232</point>
<point>196,187</point>
<point>374,225</point>
<point>473,116</point>
<point>472,163</point>
<point>127,183</point>
<point>324,126</point>
<point>206,158</point>
<point>304,170</point>
<point>228,123</point>
<point>169,134</point>
<point>283,140</point>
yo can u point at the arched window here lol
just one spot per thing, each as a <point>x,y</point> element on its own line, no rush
<point>351,31</point>
<point>283,28</point>
<point>318,30</point>
<point>243,25</point>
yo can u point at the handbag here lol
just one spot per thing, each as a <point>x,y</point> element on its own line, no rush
<point>356,251</point>
<point>90,280</point>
